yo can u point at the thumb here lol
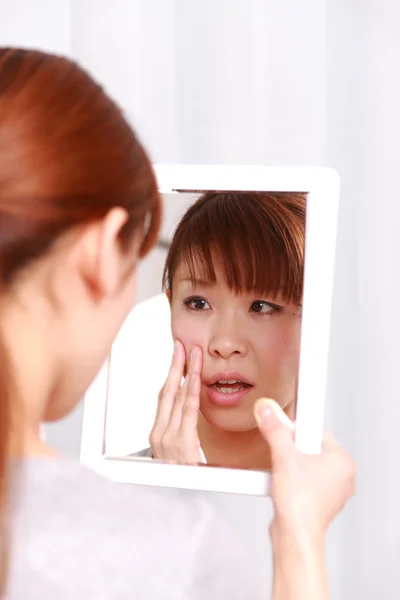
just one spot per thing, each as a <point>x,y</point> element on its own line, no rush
<point>276,428</point>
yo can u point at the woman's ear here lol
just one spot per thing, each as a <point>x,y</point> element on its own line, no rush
<point>101,259</point>
<point>168,293</point>
<point>111,266</point>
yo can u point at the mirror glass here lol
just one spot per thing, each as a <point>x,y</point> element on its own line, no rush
<point>233,287</point>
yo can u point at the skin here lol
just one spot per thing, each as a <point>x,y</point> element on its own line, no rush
<point>256,335</point>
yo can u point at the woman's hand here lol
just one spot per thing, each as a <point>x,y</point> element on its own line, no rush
<point>307,492</point>
<point>174,435</point>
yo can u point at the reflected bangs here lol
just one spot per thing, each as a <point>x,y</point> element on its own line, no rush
<point>256,237</point>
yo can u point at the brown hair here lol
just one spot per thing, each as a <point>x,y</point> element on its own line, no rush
<point>259,236</point>
<point>67,156</point>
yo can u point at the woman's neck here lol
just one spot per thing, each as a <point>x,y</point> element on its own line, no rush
<point>28,365</point>
<point>38,448</point>
<point>29,444</point>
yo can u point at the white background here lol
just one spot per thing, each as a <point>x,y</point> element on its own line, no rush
<point>278,82</point>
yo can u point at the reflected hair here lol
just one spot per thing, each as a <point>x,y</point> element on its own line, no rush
<point>67,157</point>
<point>258,237</point>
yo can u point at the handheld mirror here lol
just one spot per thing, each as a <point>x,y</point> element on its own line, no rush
<point>249,255</point>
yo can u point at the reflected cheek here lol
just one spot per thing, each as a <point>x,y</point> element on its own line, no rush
<point>280,349</point>
<point>292,343</point>
<point>283,348</point>
<point>186,330</point>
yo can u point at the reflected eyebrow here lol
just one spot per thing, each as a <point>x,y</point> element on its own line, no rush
<point>196,282</point>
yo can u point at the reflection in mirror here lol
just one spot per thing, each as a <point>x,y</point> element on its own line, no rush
<point>227,277</point>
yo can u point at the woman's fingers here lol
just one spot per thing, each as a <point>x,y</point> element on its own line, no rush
<point>190,411</point>
<point>276,428</point>
<point>329,443</point>
<point>174,435</point>
<point>190,414</point>
<point>330,446</point>
<point>166,398</point>
<point>194,367</point>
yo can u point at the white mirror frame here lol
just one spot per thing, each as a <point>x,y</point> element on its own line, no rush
<point>322,187</point>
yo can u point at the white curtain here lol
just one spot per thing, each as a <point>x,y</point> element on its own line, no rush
<point>281,82</point>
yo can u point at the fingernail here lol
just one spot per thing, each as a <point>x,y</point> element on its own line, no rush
<point>193,353</point>
<point>176,346</point>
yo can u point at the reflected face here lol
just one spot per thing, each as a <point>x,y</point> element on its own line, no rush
<point>250,344</point>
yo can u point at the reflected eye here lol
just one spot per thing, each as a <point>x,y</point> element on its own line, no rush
<point>263,307</point>
<point>196,303</point>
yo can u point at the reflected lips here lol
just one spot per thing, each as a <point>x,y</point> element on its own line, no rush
<point>227,388</point>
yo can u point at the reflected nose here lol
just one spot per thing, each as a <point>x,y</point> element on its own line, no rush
<point>227,339</point>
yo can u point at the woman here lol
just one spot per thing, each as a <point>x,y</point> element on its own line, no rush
<point>234,279</point>
<point>78,208</point>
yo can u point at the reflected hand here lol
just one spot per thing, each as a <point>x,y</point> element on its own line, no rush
<point>174,435</point>
<point>307,491</point>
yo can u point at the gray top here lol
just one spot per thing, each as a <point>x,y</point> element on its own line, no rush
<point>78,536</point>
<point>146,452</point>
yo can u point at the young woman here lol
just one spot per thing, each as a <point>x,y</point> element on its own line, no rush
<point>234,278</point>
<point>78,208</point>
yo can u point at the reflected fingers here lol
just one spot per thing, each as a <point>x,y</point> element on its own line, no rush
<point>167,395</point>
<point>190,410</point>
<point>194,368</point>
